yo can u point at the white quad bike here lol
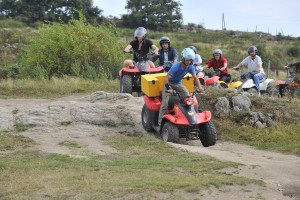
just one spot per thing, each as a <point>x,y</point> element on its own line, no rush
<point>250,87</point>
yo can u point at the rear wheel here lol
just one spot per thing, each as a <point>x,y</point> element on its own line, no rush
<point>146,119</point>
<point>126,84</point>
<point>273,91</point>
<point>208,134</point>
<point>170,133</point>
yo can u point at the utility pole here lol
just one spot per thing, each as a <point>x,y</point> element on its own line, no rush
<point>223,22</point>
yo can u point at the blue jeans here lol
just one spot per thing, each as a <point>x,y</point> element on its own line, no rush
<point>256,78</point>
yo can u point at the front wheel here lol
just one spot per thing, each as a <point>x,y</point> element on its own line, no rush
<point>208,134</point>
<point>126,84</point>
<point>146,119</point>
<point>170,133</point>
<point>252,91</point>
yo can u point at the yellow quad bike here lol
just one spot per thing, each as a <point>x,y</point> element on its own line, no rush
<point>233,84</point>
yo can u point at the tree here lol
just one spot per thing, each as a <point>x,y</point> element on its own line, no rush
<point>159,15</point>
<point>31,11</point>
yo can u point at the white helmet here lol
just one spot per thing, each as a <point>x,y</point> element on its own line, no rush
<point>140,32</point>
<point>188,54</point>
<point>198,60</point>
<point>217,51</point>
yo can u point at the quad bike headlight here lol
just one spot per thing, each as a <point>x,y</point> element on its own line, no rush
<point>189,101</point>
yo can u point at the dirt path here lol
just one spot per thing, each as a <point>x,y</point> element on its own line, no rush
<point>281,173</point>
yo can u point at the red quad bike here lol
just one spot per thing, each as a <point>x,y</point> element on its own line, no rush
<point>211,80</point>
<point>130,78</point>
<point>182,120</point>
<point>286,87</point>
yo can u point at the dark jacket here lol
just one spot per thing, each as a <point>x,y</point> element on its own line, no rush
<point>172,55</point>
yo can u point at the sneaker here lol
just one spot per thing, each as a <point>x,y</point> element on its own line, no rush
<point>259,94</point>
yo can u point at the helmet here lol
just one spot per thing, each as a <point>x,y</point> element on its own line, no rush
<point>193,48</point>
<point>217,51</point>
<point>188,54</point>
<point>252,48</point>
<point>140,32</point>
<point>164,39</point>
<point>198,59</point>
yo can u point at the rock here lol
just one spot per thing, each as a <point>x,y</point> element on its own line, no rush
<point>241,103</point>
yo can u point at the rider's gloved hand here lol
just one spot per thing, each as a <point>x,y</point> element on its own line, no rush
<point>200,90</point>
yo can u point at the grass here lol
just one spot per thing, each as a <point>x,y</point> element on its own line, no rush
<point>142,168</point>
<point>54,88</point>
<point>283,136</point>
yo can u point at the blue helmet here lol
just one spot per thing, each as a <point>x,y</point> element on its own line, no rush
<point>188,54</point>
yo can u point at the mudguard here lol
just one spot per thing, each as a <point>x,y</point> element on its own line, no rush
<point>152,103</point>
<point>235,84</point>
<point>265,83</point>
<point>180,119</point>
<point>249,84</point>
<point>212,80</point>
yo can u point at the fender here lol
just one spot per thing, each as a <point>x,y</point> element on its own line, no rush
<point>155,70</point>
<point>265,83</point>
<point>280,82</point>
<point>235,84</point>
<point>178,118</point>
<point>212,80</point>
<point>128,70</point>
<point>249,84</point>
<point>152,103</point>
<point>203,117</point>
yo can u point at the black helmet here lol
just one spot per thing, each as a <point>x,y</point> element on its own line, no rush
<point>252,48</point>
<point>193,48</point>
<point>164,39</point>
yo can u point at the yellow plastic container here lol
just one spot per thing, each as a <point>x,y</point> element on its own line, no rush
<point>152,84</point>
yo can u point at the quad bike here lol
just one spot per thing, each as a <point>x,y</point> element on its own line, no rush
<point>130,78</point>
<point>250,87</point>
<point>233,84</point>
<point>210,80</point>
<point>182,120</point>
<point>286,87</point>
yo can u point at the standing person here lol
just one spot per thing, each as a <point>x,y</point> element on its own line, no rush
<point>219,62</point>
<point>173,80</point>
<point>166,53</point>
<point>255,69</point>
<point>141,46</point>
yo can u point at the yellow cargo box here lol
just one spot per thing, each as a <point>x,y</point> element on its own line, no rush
<point>152,84</point>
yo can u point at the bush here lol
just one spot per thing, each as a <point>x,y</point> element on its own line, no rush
<point>293,51</point>
<point>75,49</point>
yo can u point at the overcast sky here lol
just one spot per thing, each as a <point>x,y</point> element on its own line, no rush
<point>270,16</point>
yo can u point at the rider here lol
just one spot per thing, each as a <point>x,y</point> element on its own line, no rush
<point>219,62</point>
<point>197,63</point>
<point>255,69</point>
<point>173,80</point>
<point>141,46</point>
<point>166,53</point>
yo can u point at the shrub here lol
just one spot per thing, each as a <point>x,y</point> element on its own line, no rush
<point>76,49</point>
